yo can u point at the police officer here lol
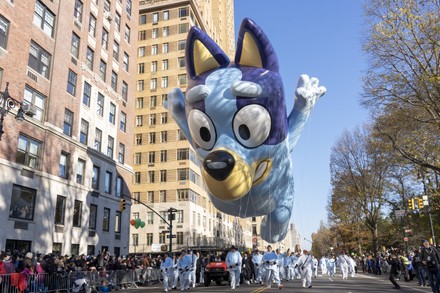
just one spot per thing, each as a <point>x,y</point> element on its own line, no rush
<point>233,261</point>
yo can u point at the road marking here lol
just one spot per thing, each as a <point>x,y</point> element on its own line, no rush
<point>258,290</point>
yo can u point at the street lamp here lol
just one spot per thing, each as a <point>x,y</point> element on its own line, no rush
<point>8,103</point>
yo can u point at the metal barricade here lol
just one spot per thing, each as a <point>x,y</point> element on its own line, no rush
<point>125,279</point>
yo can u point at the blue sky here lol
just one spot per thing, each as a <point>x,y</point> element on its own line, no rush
<point>320,38</point>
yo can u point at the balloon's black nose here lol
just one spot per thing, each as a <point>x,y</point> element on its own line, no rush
<point>219,164</point>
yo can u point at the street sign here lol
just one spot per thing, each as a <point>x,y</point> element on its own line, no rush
<point>172,236</point>
<point>165,231</point>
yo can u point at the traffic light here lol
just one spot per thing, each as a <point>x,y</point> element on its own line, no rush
<point>411,203</point>
<point>420,204</point>
<point>121,205</point>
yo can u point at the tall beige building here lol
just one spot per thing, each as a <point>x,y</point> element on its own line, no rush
<point>167,174</point>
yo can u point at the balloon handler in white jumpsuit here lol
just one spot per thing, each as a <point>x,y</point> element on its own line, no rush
<point>183,265</point>
<point>270,264</point>
<point>167,270</point>
<point>233,261</point>
<point>305,264</point>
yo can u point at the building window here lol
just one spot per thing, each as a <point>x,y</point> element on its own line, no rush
<point>163,156</point>
<point>98,140</point>
<point>4,31</point>
<point>108,182</point>
<point>150,176</point>
<point>90,249</point>
<point>84,132</point>
<point>71,82</point>
<point>124,91</point>
<point>106,220</point>
<point>141,68</point>
<point>87,94</point>
<point>43,18</point>
<point>59,210</point>
<point>154,50</point>
<point>142,19</point>
<point>150,196</point>
<point>165,47</point>
<point>181,45</point>
<point>92,25</point>
<point>182,62</point>
<point>116,51</point>
<point>182,154</point>
<point>100,105</point>
<point>142,35</point>
<point>137,196</point>
<point>181,79</point>
<point>163,175</point>
<point>80,170</point>
<point>163,195</point>
<point>163,136</point>
<point>151,157</point>
<point>165,64</point>
<point>104,39</point>
<point>154,33</point>
<point>183,12</point>
<point>179,238</point>
<point>180,135</point>
<point>165,31</point>
<point>39,59</point>
<point>118,222</point>
<point>152,119</point>
<point>179,216</point>
<point>141,51</point>
<point>57,248</point>
<point>121,153</point>
<point>137,177</point>
<point>106,5</point>
<point>95,177</point>
<point>164,83</point>
<point>112,114</point>
<point>155,17</point>
<point>152,137</point>
<point>77,13</point>
<point>166,15</point>
<point>149,239</point>
<point>114,82</point>
<point>135,239</point>
<point>139,119</point>
<point>140,85</point>
<point>102,70</point>
<point>153,84</point>
<point>77,213</point>
<point>118,22</point>
<point>164,118</point>
<point>74,249</point>
<point>126,61</point>
<point>182,194</point>
<point>183,28</point>
<point>32,97</point>
<point>164,99</point>
<point>28,151</point>
<point>138,158</point>
<point>93,216</point>
<point>150,218</point>
<point>138,139</point>
<point>119,186</point>
<point>127,34</point>
<point>123,122</point>
<point>22,203</point>
<point>110,146</point>
<point>90,56</point>
<point>161,238</point>
<point>64,165</point>
<point>182,174</point>
<point>153,66</point>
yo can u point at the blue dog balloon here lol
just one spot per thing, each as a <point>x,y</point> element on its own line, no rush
<point>234,115</point>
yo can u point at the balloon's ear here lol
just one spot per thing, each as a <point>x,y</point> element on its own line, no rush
<point>202,53</point>
<point>254,48</point>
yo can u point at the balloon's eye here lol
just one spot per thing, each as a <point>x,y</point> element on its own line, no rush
<point>202,129</point>
<point>252,125</point>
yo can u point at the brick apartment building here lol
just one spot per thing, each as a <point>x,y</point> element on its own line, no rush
<point>65,167</point>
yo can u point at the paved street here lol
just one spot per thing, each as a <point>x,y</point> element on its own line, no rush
<point>361,283</point>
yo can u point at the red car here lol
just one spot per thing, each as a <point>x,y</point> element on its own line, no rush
<point>216,271</point>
